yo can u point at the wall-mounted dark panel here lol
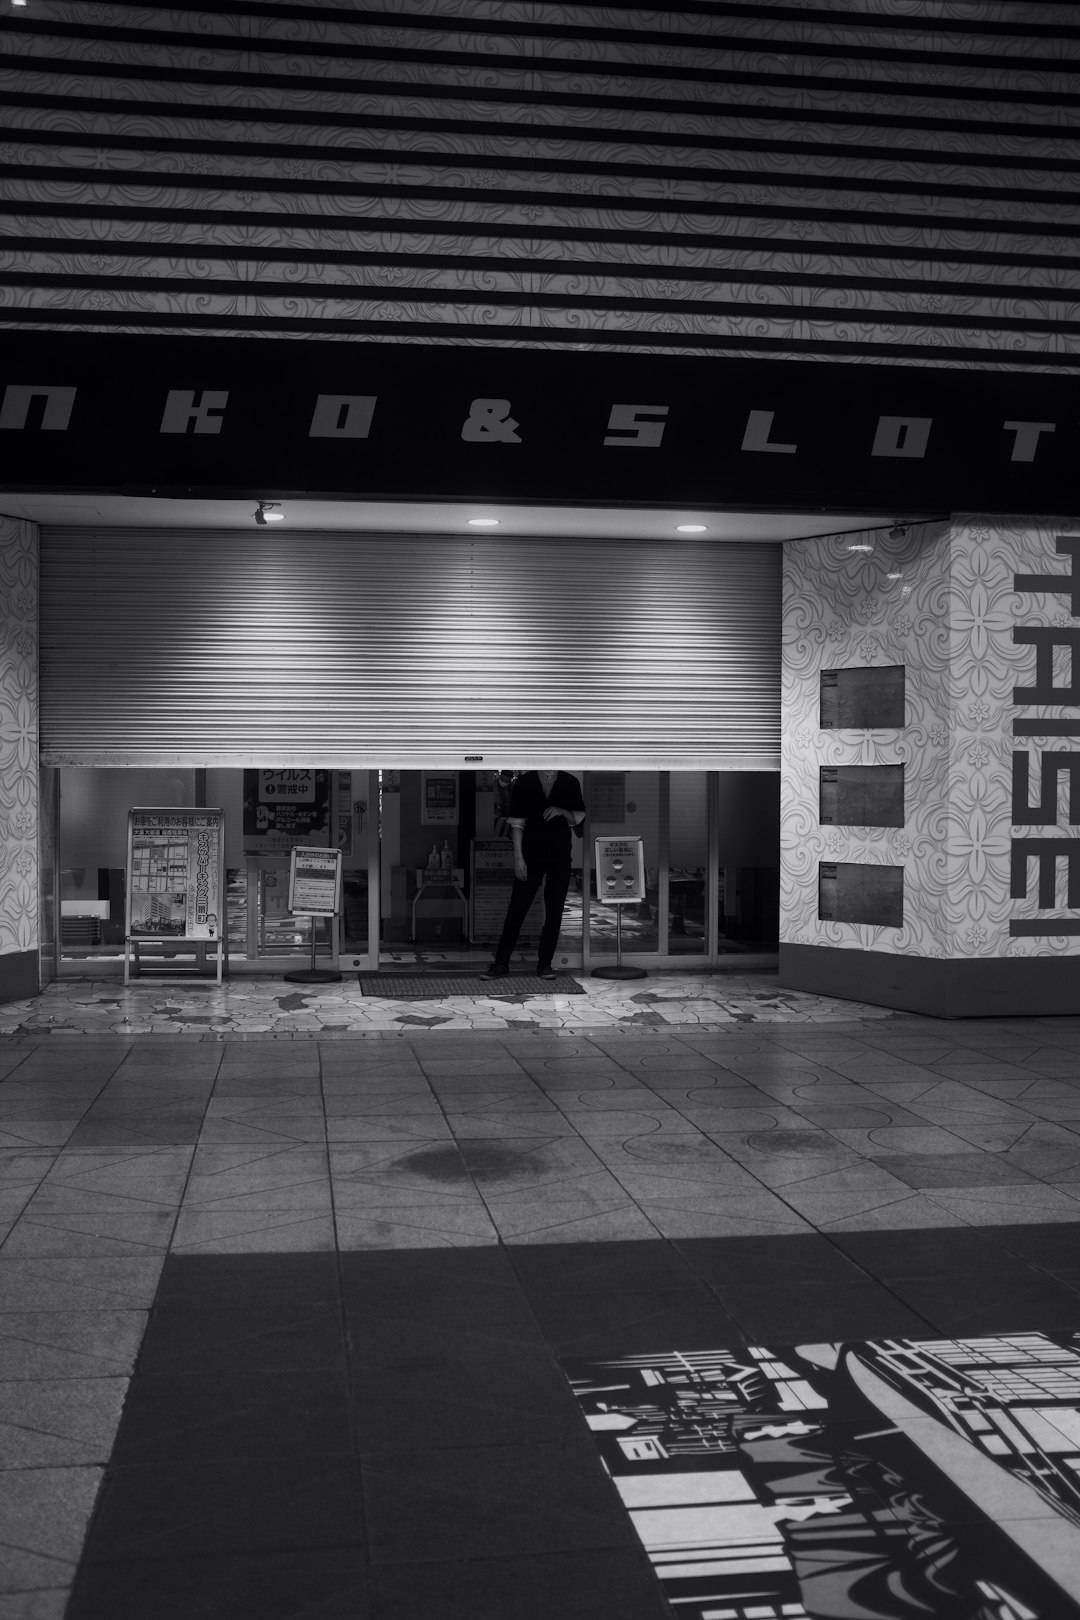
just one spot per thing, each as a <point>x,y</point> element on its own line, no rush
<point>861,796</point>
<point>851,892</point>
<point>861,699</point>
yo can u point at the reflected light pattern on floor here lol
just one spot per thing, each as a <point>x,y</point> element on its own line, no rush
<point>874,1481</point>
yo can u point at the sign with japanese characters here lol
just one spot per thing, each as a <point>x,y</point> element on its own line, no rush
<point>620,870</point>
<point>175,873</point>
<point>285,808</point>
<point>440,798</point>
<point>315,881</point>
<point>492,880</point>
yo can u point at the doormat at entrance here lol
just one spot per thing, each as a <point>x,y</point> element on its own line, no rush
<point>435,987</point>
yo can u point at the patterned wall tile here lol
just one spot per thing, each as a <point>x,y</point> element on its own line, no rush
<point>943,601</point>
<point>19,861</point>
<point>659,180</point>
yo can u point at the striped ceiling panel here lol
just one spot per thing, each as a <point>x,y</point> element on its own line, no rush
<point>849,179</point>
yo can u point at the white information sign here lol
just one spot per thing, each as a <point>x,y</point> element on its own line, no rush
<point>440,797</point>
<point>294,787</point>
<point>492,880</point>
<point>315,881</point>
<point>620,870</point>
<point>175,884</point>
<point>175,873</point>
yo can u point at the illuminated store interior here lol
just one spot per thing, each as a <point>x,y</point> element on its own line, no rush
<point>711,845</point>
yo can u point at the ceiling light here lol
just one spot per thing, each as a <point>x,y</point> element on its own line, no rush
<point>894,576</point>
<point>269,512</point>
<point>485,523</point>
<point>862,546</point>
<point>692,528</point>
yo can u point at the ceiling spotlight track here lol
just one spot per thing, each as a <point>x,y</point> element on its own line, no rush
<point>269,512</point>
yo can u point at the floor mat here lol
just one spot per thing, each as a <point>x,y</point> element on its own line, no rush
<point>435,987</point>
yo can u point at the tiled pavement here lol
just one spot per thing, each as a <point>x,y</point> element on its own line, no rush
<point>743,990</point>
<point>280,1319</point>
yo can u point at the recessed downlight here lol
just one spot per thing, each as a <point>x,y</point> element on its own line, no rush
<point>484,523</point>
<point>861,547</point>
<point>692,528</point>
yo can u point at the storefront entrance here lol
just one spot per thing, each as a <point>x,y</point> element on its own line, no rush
<point>426,865</point>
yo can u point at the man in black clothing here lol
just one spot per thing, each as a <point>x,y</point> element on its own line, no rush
<point>544,806</point>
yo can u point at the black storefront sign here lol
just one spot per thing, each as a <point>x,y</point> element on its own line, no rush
<point>182,417</point>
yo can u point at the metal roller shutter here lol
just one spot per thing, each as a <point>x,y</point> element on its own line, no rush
<point>336,649</point>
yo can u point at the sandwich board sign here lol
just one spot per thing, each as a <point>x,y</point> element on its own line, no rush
<point>620,870</point>
<point>176,882</point>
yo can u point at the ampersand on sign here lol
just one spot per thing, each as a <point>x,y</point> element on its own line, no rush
<point>489,422</point>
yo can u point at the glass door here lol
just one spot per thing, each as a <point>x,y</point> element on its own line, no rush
<point>671,813</point>
<point>445,868</point>
<point>356,833</point>
<point>711,842</point>
<point>268,812</point>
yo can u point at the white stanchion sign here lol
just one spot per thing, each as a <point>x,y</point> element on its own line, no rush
<point>315,881</point>
<point>620,870</point>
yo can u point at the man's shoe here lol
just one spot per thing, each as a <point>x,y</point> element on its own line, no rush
<point>497,970</point>
<point>546,971</point>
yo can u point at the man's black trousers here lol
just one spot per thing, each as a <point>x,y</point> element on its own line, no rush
<point>556,881</point>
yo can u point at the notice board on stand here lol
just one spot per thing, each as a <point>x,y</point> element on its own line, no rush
<point>315,882</point>
<point>620,870</point>
<point>176,883</point>
<point>492,881</point>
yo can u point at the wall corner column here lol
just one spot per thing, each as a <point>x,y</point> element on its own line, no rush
<point>983,613</point>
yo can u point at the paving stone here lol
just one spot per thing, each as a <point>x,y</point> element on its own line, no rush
<point>566,1208</point>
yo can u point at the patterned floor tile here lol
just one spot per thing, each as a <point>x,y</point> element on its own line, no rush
<point>407,1227</point>
<point>90,1232</point>
<point>77,1284</point>
<point>69,1343</point>
<point>516,1142</point>
<point>255,1232</point>
<point>65,1423</point>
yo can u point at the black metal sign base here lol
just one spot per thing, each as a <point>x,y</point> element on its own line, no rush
<point>313,975</point>
<point>618,971</point>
